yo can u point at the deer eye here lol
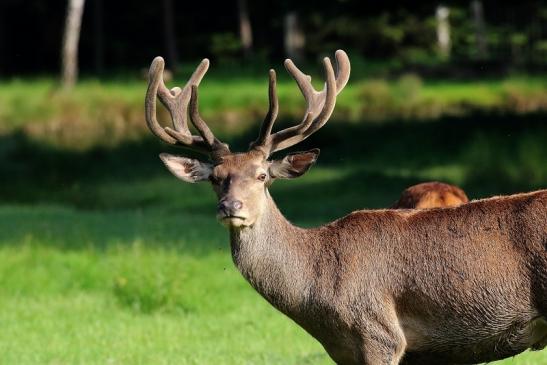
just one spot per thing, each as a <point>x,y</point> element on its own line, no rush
<point>262,177</point>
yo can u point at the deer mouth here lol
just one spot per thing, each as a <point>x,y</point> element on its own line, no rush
<point>232,220</point>
<point>233,217</point>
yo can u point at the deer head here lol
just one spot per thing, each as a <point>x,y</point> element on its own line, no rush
<point>241,180</point>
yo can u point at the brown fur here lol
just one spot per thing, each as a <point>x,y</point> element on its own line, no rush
<point>458,285</point>
<point>431,195</point>
<point>447,286</point>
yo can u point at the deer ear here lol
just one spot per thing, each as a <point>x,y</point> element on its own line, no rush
<point>294,164</point>
<point>187,169</point>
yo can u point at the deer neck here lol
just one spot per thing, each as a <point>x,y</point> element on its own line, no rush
<point>271,256</point>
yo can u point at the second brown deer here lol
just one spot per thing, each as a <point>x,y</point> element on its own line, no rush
<point>432,194</point>
<point>438,286</point>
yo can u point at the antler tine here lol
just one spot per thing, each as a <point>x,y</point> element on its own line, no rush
<point>320,104</point>
<point>271,116</point>
<point>199,123</point>
<point>302,80</point>
<point>343,69</point>
<point>155,78</point>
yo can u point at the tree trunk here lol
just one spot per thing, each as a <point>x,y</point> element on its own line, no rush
<point>98,38</point>
<point>3,61</point>
<point>70,43</point>
<point>294,37</point>
<point>478,21</point>
<point>169,34</point>
<point>443,31</point>
<point>245,30</point>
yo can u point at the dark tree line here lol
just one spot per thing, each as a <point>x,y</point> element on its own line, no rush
<point>118,35</point>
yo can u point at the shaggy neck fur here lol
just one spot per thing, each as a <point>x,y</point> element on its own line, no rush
<point>270,255</point>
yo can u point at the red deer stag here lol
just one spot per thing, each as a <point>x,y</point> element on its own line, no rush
<point>431,194</point>
<point>436,286</point>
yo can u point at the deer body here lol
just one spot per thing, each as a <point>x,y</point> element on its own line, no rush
<point>409,281</point>
<point>456,285</point>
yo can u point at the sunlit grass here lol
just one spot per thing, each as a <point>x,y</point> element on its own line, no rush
<point>114,298</point>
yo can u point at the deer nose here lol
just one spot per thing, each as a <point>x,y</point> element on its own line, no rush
<point>229,207</point>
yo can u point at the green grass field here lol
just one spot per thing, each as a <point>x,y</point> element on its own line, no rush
<point>105,258</point>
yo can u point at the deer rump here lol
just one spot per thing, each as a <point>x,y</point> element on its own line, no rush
<point>465,285</point>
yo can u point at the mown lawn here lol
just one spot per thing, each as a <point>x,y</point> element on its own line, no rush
<point>105,258</point>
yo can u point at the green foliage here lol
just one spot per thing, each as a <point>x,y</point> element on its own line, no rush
<point>408,87</point>
<point>225,46</point>
<point>376,97</point>
<point>519,160</point>
<point>392,31</point>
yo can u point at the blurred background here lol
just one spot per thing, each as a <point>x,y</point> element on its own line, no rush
<point>107,258</point>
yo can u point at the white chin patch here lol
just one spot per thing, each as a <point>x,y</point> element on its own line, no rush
<point>233,222</point>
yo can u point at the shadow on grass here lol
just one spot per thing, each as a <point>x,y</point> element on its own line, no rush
<point>505,153</point>
<point>361,165</point>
